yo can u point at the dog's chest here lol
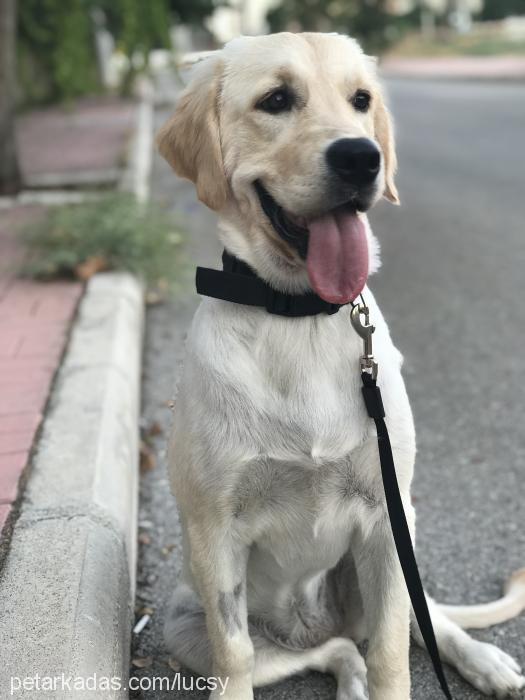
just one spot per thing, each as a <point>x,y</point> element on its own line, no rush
<point>307,389</point>
<point>278,401</point>
<point>300,518</point>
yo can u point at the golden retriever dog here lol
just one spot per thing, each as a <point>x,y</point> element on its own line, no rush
<point>289,560</point>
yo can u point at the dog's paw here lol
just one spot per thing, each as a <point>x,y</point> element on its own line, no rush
<point>232,694</point>
<point>355,690</point>
<point>491,671</point>
<point>349,668</point>
<point>233,688</point>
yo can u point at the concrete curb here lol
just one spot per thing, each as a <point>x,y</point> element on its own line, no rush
<point>68,581</point>
<point>136,175</point>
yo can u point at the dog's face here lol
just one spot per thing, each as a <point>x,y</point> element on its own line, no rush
<point>288,138</point>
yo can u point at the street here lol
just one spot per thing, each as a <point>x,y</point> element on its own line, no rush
<point>451,289</point>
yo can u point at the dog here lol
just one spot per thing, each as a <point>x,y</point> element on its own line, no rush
<point>289,559</point>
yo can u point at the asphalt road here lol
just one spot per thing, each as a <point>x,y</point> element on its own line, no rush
<point>451,287</point>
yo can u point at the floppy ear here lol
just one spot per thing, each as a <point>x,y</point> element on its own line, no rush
<point>190,140</point>
<point>384,133</point>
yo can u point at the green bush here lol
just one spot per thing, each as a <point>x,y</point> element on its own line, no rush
<point>56,43</point>
<point>112,232</point>
<point>56,50</point>
<point>368,21</point>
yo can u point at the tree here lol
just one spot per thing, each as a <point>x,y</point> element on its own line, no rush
<point>9,173</point>
<point>369,21</point>
<point>56,50</point>
<point>498,9</point>
<point>57,43</point>
<point>193,11</point>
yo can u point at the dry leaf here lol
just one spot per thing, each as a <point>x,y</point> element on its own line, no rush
<point>148,460</point>
<point>90,266</point>
<point>174,664</point>
<point>154,429</point>
<point>145,610</point>
<point>168,549</point>
<point>153,297</point>
<point>142,662</point>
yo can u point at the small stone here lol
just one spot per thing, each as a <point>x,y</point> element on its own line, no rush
<point>142,661</point>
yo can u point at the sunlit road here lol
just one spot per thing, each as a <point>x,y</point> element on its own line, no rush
<point>452,287</point>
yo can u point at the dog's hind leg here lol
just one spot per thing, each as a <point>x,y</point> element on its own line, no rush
<point>187,639</point>
<point>338,656</point>
<point>483,665</point>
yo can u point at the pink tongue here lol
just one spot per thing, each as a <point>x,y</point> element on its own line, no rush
<point>337,260</point>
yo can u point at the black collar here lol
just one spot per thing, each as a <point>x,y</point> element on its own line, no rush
<point>237,282</point>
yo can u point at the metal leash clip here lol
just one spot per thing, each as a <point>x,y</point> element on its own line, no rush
<point>368,363</point>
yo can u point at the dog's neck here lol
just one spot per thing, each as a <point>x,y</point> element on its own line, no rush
<point>286,274</point>
<point>239,283</point>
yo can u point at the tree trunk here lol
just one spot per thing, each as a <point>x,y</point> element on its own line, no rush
<point>9,173</point>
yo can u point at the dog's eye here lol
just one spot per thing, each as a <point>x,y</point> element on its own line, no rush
<point>361,101</point>
<point>278,101</point>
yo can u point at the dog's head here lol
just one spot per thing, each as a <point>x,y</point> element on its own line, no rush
<point>288,138</point>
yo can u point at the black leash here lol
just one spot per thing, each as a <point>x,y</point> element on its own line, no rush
<point>396,512</point>
<point>240,284</point>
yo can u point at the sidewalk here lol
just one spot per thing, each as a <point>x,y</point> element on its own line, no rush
<point>70,359</point>
<point>84,145</point>
<point>35,320</point>
<point>456,68</point>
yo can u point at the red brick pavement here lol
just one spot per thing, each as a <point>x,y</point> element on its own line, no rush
<point>34,322</point>
<point>90,135</point>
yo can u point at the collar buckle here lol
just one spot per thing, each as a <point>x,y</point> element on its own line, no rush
<point>278,302</point>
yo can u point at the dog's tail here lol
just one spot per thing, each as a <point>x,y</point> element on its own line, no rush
<point>480,616</point>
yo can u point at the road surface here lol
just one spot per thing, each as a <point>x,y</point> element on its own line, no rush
<point>451,287</point>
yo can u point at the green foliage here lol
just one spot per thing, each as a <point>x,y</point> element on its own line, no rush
<point>56,49</point>
<point>483,40</point>
<point>113,232</point>
<point>193,11</point>
<point>366,20</point>
<point>498,9</point>
<point>138,27</point>
<point>56,41</point>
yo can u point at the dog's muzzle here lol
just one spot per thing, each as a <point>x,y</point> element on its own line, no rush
<point>356,162</point>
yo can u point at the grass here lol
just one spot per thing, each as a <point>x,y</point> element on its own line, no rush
<point>112,232</point>
<point>477,43</point>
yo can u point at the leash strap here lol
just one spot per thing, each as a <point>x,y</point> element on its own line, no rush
<point>400,530</point>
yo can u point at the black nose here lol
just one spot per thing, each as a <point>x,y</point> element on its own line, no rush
<point>356,161</point>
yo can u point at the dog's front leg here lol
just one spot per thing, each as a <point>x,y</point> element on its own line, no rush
<point>218,563</point>
<point>387,612</point>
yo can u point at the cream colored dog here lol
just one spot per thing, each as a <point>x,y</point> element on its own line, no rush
<point>289,558</point>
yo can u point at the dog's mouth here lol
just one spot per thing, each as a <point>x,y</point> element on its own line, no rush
<point>334,245</point>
